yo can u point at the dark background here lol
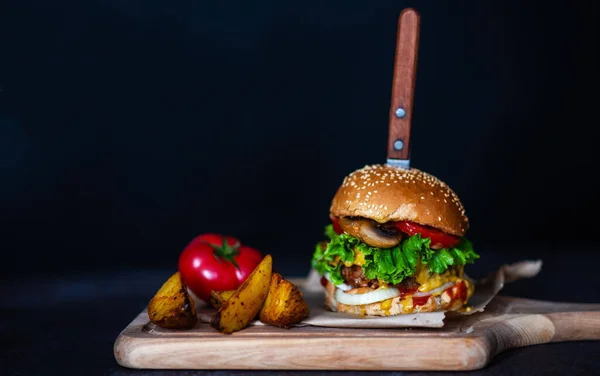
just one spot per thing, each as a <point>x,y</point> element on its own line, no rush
<point>127,128</point>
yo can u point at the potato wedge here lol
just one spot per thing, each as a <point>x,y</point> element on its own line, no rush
<point>284,305</point>
<point>247,300</point>
<point>172,307</point>
<point>217,298</point>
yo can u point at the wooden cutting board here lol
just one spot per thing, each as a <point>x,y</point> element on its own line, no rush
<point>464,343</point>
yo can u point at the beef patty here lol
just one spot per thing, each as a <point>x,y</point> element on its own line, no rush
<point>354,276</point>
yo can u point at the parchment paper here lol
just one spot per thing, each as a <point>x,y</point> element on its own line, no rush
<point>485,290</point>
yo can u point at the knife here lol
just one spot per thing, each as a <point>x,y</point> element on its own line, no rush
<point>403,88</point>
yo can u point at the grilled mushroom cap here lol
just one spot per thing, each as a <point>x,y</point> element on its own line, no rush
<point>371,232</point>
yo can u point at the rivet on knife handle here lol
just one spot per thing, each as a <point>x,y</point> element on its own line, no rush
<point>403,88</point>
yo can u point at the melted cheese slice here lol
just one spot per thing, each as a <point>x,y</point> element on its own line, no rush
<point>430,281</point>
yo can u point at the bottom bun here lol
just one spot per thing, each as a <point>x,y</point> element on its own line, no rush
<point>434,303</point>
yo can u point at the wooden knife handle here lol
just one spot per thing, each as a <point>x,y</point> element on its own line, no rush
<point>403,87</point>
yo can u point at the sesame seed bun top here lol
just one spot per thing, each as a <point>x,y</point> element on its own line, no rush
<point>385,193</point>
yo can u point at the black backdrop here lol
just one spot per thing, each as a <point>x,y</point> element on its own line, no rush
<point>126,128</point>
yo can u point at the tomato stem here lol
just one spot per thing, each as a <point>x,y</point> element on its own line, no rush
<point>226,252</point>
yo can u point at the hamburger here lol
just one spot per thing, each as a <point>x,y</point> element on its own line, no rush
<point>396,245</point>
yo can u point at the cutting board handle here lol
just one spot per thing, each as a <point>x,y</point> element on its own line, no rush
<point>537,322</point>
<point>575,326</point>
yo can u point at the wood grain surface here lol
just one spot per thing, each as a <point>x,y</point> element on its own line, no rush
<point>464,343</point>
<point>403,84</point>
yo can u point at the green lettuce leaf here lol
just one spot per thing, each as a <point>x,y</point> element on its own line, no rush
<point>390,265</point>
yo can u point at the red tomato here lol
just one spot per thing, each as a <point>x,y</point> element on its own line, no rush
<point>215,262</point>
<point>336,225</point>
<point>438,238</point>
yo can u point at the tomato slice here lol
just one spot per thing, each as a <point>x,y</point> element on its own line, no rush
<point>438,238</point>
<point>336,225</point>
